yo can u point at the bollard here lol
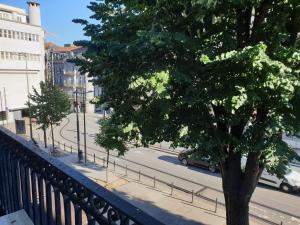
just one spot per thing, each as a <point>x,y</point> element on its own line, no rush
<point>71,149</point>
<point>103,162</point>
<point>64,147</point>
<point>172,188</point>
<point>154,181</point>
<point>216,206</point>
<point>139,175</point>
<point>114,165</point>
<point>126,170</point>
<point>281,223</point>
<point>192,196</point>
<point>94,158</point>
<point>58,144</point>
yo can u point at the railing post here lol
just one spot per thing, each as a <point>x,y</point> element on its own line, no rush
<point>114,165</point>
<point>64,147</point>
<point>126,170</point>
<point>58,144</point>
<point>103,162</point>
<point>139,175</point>
<point>216,206</point>
<point>192,196</point>
<point>94,158</point>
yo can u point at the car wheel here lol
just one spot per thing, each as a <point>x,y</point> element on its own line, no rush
<point>285,188</point>
<point>212,168</point>
<point>184,162</point>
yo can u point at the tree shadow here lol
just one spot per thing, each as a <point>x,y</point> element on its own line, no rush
<point>171,159</point>
<point>165,216</point>
<point>175,161</point>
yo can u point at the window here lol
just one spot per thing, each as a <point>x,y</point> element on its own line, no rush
<point>37,37</point>
<point>22,36</point>
<point>1,33</point>
<point>5,33</point>
<point>19,18</point>
<point>9,32</point>
<point>29,37</point>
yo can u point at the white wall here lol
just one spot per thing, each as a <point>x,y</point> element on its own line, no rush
<point>13,72</point>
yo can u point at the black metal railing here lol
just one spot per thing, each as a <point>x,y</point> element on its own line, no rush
<point>53,193</point>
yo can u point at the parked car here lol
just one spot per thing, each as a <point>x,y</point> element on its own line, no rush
<point>290,182</point>
<point>187,157</point>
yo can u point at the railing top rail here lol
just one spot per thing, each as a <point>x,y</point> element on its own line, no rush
<point>134,213</point>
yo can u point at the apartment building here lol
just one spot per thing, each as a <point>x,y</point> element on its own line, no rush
<point>68,76</point>
<point>21,57</point>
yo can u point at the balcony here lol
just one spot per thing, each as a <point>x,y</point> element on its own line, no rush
<point>53,193</point>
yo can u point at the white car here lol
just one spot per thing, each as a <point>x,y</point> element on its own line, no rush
<point>290,182</point>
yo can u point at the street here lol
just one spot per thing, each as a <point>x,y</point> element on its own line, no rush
<point>167,168</point>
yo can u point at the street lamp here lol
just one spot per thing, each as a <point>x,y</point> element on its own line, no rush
<point>80,154</point>
<point>28,99</point>
<point>84,123</point>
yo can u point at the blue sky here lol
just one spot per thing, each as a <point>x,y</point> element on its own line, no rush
<point>57,18</point>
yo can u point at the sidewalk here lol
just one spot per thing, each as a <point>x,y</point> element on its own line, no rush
<point>156,201</point>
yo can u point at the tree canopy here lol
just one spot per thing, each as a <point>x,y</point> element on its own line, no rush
<point>221,77</point>
<point>49,106</point>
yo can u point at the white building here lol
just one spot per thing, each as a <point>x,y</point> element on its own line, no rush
<point>21,56</point>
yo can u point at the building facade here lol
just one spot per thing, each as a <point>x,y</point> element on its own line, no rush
<point>67,76</point>
<point>21,57</point>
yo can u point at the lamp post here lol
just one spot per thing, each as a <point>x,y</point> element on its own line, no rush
<point>84,120</point>
<point>28,99</point>
<point>80,155</point>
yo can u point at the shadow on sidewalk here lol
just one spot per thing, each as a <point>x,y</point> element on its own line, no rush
<point>165,216</point>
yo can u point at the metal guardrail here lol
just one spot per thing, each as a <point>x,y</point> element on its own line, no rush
<point>53,193</point>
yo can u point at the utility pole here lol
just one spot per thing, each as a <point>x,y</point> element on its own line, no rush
<point>84,124</point>
<point>80,156</point>
<point>29,104</point>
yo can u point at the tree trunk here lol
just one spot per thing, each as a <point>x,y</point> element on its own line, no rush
<point>52,136</point>
<point>237,210</point>
<point>107,162</point>
<point>45,137</point>
<point>238,186</point>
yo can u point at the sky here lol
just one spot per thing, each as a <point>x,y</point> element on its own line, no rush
<point>57,18</point>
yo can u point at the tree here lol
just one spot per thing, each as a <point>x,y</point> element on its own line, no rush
<point>111,137</point>
<point>220,77</point>
<point>49,106</point>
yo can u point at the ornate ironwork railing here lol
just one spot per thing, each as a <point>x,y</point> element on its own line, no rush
<point>53,193</point>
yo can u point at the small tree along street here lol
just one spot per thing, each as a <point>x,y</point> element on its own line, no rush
<point>220,77</point>
<point>110,137</point>
<point>49,107</point>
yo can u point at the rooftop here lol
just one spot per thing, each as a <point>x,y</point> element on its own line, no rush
<point>11,9</point>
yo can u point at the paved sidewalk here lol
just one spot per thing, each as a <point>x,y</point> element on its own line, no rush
<point>175,209</point>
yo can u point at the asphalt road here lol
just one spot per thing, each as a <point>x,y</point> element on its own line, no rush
<point>166,167</point>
